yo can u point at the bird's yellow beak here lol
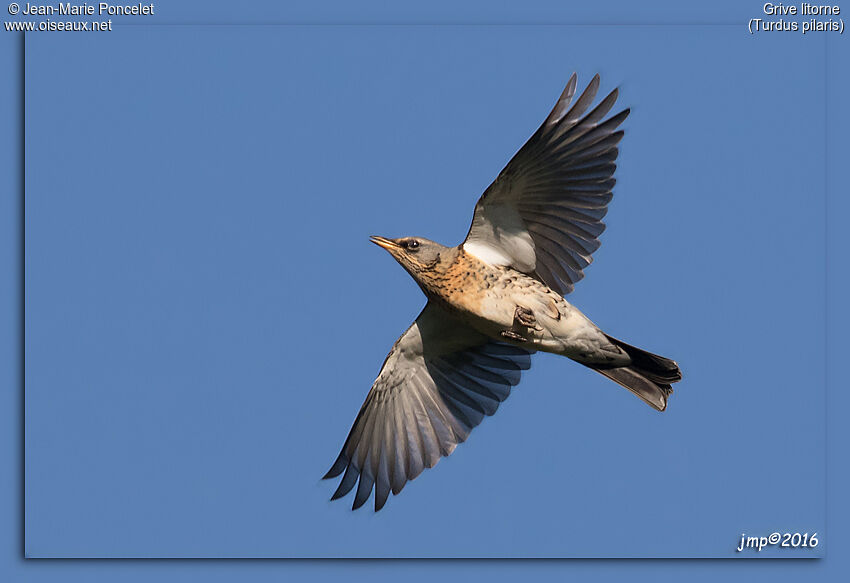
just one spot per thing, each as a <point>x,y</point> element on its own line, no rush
<point>387,244</point>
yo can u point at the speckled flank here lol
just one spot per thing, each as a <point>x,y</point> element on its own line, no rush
<point>486,296</point>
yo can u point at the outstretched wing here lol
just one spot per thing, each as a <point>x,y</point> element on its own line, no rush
<point>543,214</point>
<point>438,382</point>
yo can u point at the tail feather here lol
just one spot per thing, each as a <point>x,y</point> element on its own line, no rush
<point>649,376</point>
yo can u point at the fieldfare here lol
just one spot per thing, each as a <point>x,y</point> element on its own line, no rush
<point>496,299</point>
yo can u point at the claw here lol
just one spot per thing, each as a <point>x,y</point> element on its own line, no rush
<point>526,317</point>
<point>511,335</point>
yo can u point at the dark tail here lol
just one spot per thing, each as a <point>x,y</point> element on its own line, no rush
<point>649,376</point>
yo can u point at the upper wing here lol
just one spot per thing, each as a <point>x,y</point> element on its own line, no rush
<point>543,214</point>
<point>438,382</point>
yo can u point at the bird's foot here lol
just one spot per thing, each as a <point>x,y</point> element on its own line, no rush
<point>525,317</point>
<point>523,321</point>
<point>511,335</point>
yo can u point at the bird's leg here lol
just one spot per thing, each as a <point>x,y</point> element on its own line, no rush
<point>523,318</point>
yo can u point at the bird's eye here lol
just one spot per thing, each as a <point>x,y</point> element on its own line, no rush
<point>411,245</point>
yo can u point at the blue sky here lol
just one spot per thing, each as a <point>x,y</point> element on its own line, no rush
<point>205,313</point>
<point>185,391</point>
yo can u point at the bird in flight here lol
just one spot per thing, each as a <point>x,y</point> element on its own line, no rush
<point>496,299</point>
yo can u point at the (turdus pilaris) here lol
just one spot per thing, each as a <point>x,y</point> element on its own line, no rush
<point>496,299</point>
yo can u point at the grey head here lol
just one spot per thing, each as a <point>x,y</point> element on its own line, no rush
<point>419,256</point>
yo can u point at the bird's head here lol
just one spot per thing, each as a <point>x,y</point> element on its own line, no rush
<point>417,255</point>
